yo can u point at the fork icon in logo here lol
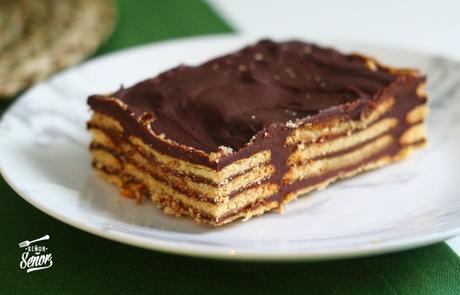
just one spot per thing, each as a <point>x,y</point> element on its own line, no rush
<point>27,243</point>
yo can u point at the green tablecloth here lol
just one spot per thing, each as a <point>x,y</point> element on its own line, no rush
<point>86,264</point>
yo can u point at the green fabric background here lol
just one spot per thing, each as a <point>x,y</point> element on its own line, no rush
<point>86,264</point>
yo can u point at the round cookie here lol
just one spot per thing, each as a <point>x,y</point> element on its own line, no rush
<point>50,35</point>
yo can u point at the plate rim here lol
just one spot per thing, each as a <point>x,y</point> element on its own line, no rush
<point>220,253</point>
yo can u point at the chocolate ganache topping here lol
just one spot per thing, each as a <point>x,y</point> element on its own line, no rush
<point>229,100</point>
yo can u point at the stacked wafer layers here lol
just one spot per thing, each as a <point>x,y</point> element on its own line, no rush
<point>248,132</point>
<point>177,185</point>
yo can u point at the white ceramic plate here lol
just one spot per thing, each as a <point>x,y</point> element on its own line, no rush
<point>44,157</point>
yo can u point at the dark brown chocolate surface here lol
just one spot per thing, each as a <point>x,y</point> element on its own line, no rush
<point>215,104</point>
<point>228,100</point>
